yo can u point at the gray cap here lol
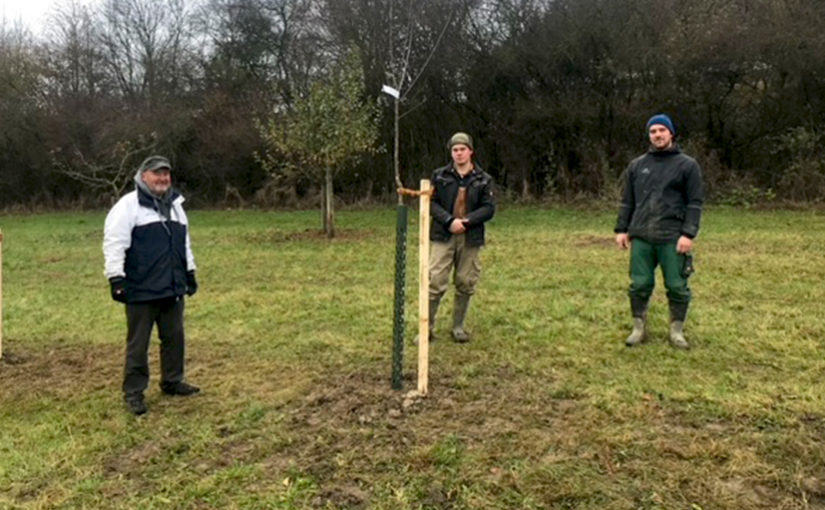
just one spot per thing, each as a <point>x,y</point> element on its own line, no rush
<point>462,138</point>
<point>154,163</point>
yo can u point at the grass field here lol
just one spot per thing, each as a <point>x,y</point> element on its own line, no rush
<point>290,339</point>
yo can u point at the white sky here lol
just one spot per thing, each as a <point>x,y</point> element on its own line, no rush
<point>31,12</point>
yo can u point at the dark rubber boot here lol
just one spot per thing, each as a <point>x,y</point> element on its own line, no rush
<point>462,304</point>
<point>678,311</point>
<point>638,307</point>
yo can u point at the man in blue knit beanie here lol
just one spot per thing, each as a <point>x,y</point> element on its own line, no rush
<point>658,220</point>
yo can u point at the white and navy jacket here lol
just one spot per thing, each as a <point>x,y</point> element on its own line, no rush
<point>153,254</point>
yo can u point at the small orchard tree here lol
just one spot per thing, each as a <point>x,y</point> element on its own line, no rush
<point>326,130</point>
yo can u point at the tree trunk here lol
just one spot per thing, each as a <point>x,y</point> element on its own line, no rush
<point>329,206</point>
<point>323,196</point>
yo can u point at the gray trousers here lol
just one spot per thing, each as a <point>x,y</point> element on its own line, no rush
<point>140,319</point>
<point>454,255</point>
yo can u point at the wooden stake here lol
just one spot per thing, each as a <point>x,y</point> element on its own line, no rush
<point>424,287</point>
<point>1,294</point>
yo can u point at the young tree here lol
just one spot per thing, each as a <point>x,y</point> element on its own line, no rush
<point>326,130</point>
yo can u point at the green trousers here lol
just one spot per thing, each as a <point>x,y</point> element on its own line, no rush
<point>644,257</point>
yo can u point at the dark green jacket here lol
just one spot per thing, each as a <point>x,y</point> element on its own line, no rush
<point>662,197</point>
<point>480,204</point>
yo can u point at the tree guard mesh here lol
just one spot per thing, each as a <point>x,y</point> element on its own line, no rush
<point>398,311</point>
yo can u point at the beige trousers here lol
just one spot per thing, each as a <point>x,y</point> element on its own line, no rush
<point>454,254</point>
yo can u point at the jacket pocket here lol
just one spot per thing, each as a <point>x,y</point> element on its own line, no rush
<point>443,181</point>
<point>474,193</point>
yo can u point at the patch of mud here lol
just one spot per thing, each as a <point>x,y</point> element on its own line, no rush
<point>60,371</point>
<point>341,497</point>
<point>354,422</point>
<point>814,422</point>
<point>132,461</point>
<point>12,358</point>
<point>751,494</point>
<point>356,399</point>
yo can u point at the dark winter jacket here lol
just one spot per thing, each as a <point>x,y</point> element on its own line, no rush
<point>662,197</point>
<point>480,204</point>
<point>151,252</point>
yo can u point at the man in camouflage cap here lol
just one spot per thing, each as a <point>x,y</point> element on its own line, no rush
<point>462,203</point>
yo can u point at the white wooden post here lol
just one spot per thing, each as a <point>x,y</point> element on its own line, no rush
<point>423,287</point>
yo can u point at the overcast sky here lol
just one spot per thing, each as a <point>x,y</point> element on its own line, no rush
<point>31,12</point>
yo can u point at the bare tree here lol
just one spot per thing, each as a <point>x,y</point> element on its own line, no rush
<point>21,120</point>
<point>110,173</point>
<point>74,64</point>
<point>144,43</point>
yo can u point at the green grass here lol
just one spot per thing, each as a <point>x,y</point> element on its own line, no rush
<point>290,339</point>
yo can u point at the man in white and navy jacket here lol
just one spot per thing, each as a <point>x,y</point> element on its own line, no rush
<point>150,266</point>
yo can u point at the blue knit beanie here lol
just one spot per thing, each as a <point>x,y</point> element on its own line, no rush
<point>661,118</point>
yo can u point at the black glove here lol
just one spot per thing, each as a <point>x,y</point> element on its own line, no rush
<point>191,283</point>
<point>118,288</point>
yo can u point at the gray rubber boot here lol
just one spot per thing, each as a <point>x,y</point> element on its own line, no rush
<point>639,333</point>
<point>462,303</point>
<point>638,307</point>
<point>677,335</point>
<point>678,314</point>
<point>433,309</point>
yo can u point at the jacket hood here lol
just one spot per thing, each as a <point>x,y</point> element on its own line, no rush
<point>170,195</point>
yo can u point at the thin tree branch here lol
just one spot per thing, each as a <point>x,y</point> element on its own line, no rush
<point>430,56</point>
